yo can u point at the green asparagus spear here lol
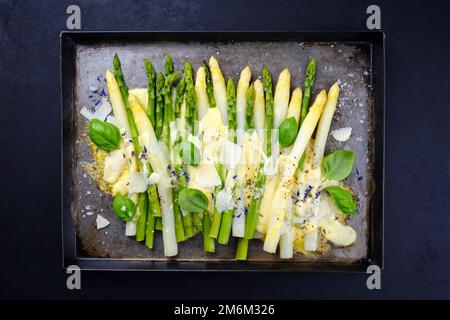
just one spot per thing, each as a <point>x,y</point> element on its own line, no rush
<point>151,75</point>
<point>225,227</point>
<point>231,98</point>
<point>250,122</point>
<point>186,216</point>
<point>242,249</point>
<point>168,86</point>
<point>267,83</point>
<point>208,242</point>
<point>217,216</point>
<point>309,82</point>
<point>154,199</point>
<point>159,104</point>
<point>153,213</point>
<point>154,207</point>
<point>168,65</point>
<point>252,215</point>
<point>179,228</point>
<point>188,70</point>
<point>158,224</point>
<point>142,219</point>
<point>227,215</point>
<point>197,220</point>
<point>209,86</point>
<point>182,174</point>
<point>169,114</point>
<point>124,90</point>
<point>150,227</point>
<point>191,97</point>
<point>181,89</point>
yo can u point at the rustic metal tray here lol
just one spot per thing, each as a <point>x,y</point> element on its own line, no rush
<point>356,59</point>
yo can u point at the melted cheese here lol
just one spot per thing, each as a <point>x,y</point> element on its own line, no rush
<point>113,165</point>
<point>224,200</point>
<point>336,232</point>
<point>138,182</point>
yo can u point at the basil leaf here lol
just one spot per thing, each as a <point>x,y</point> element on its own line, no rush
<point>124,207</point>
<point>338,165</point>
<point>189,153</point>
<point>193,200</point>
<point>287,132</point>
<point>343,199</point>
<point>104,135</point>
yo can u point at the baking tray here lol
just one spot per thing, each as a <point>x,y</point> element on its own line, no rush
<point>355,58</point>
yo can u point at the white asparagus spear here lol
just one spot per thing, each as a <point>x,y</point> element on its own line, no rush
<point>287,239</point>
<point>281,98</point>
<point>202,95</point>
<point>290,163</point>
<point>281,102</point>
<point>118,105</point>
<point>159,164</point>
<point>324,124</point>
<point>247,172</point>
<point>323,128</point>
<point>241,102</point>
<point>287,245</point>
<point>142,95</point>
<point>280,106</point>
<point>219,89</point>
<point>295,105</point>
<point>238,225</point>
<point>120,115</point>
<point>270,189</point>
<point>307,128</point>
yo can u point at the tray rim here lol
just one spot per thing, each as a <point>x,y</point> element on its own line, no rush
<point>68,42</point>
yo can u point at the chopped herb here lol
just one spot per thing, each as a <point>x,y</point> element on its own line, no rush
<point>307,191</point>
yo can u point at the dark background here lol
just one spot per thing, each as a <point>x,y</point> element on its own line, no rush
<point>417,206</point>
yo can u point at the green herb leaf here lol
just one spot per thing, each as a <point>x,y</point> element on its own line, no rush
<point>104,135</point>
<point>193,200</point>
<point>188,153</point>
<point>124,207</point>
<point>287,132</point>
<point>338,165</point>
<point>343,199</point>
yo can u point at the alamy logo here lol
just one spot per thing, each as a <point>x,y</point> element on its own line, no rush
<point>74,280</point>
<point>74,20</point>
<point>374,280</point>
<point>374,20</point>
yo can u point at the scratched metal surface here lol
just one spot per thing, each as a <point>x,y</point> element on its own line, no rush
<point>348,63</point>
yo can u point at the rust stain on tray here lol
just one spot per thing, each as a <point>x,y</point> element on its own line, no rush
<point>348,64</point>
